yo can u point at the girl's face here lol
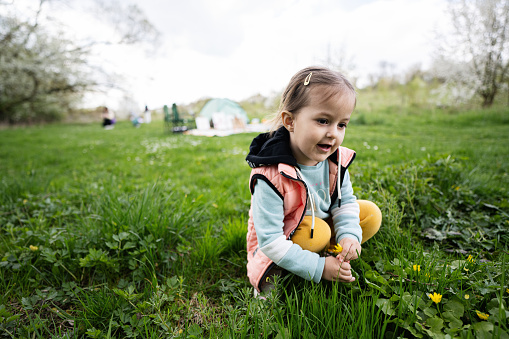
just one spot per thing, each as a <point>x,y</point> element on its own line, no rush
<point>317,130</point>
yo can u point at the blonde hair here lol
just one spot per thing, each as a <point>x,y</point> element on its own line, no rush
<point>297,92</point>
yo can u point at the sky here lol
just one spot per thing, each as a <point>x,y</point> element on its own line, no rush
<point>237,48</point>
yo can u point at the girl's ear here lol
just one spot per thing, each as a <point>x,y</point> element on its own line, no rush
<point>287,118</point>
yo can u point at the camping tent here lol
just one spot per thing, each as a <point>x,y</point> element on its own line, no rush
<point>223,113</point>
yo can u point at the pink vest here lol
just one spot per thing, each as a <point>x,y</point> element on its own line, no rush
<point>284,179</point>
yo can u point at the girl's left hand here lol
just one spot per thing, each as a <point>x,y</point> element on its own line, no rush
<point>351,249</point>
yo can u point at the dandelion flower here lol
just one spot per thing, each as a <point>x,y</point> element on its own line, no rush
<point>417,268</point>
<point>467,296</point>
<point>471,259</point>
<point>507,290</point>
<point>481,315</point>
<point>337,249</point>
<point>436,297</point>
<point>33,248</point>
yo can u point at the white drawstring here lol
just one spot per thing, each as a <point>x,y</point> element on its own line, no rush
<point>339,172</point>
<point>311,199</point>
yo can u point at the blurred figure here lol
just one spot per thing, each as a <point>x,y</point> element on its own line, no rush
<point>147,116</point>
<point>135,119</point>
<point>108,119</point>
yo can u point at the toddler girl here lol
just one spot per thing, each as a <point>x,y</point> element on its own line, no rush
<point>300,178</point>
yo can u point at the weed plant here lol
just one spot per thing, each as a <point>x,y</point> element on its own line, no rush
<point>134,233</point>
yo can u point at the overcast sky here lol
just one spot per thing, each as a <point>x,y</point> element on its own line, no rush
<point>235,48</point>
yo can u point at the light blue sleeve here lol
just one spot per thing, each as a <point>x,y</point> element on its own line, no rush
<point>346,217</point>
<point>268,215</point>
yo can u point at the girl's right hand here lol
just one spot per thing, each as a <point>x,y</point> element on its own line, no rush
<point>337,270</point>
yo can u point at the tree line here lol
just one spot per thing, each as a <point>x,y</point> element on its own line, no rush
<point>43,72</point>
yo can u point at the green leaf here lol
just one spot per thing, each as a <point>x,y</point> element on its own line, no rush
<point>374,275</point>
<point>386,306</point>
<point>129,245</point>
<point>455,307</point>
<point>414,332</point>
<point>112,245</point>
<point>450,317</point>
<point>194,330</point>
<point>436,324</point>
<point>394,297</point>
<point>483,326</point>
<point>376,287</point>
<point>495,303</point>
<point>430,312</point>
<point>285,333</point>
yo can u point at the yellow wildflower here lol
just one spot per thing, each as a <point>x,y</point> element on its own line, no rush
<point>470,259</point>
<point>507,290</point>
<point>24,201</point>
<point>417,268</point>
<point>336,250</point>
<point>467,296</point>
<point>436,297</point>
<point>481,315</point>
<point>33,248</point>
<point>466,269</point>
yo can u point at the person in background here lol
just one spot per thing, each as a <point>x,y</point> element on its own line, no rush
<point>147,116</point>
<point>108,118</point>
<point>135,119</point>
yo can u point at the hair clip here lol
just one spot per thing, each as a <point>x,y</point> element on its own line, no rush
<point>308,79</point>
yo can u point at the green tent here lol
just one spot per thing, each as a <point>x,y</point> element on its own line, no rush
<point>224,106</point>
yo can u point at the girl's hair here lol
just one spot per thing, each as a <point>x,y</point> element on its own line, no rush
<point>297,92</point>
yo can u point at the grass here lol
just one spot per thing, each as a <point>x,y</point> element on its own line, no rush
<point>133,233</point>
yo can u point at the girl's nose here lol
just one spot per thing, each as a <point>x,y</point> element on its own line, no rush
<point>332,133</point>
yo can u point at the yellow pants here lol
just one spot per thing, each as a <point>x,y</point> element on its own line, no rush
<point>371,219</point>
<point>323,234</point>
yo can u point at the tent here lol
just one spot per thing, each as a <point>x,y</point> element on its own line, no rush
<point>223,113</point>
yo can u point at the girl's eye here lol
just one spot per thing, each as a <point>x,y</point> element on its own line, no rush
<point>323,121</point>
<point>341,125</point>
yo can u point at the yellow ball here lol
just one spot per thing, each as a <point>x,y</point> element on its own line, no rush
<point>321,235</point>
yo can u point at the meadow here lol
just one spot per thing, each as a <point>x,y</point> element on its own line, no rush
<point>137,233</point>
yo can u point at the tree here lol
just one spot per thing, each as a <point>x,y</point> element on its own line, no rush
<point>38,72</point>
<point>42,71</point>
<point>479,46</point>
<point>342,61</point>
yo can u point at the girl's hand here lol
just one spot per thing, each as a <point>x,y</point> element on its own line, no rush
<point>336,270</point>
<point>351,249</point>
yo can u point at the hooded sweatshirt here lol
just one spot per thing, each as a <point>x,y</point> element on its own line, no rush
<point>280,201</point>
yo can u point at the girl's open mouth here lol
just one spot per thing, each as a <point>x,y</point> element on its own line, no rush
<point>324,147</point>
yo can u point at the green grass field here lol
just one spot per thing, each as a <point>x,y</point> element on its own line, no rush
<point>134,233</point>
